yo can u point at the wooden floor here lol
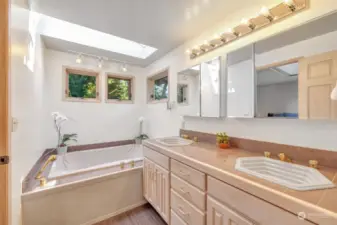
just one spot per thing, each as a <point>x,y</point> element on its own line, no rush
<point>144,215</point>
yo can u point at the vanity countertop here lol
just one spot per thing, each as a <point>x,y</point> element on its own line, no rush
<point>320,206</point>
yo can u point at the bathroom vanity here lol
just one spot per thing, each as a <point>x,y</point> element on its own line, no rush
<point>197,184</point>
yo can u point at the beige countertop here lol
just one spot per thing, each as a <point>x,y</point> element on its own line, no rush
<point>320,206</point>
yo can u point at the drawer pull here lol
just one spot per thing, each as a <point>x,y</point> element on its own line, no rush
<point>181,210</point>
<point>182,190</point>
<point>184,174</point>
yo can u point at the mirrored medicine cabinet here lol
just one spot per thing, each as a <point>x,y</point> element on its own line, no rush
<point>289,75</point>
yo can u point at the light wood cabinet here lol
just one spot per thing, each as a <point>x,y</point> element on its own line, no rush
<point>219,214</point>
<point>162,187</point>
<point>157,187</point>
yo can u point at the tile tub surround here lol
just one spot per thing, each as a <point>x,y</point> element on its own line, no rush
<point>220,164</point>
<point>298,154</point>
<point>30,183</point>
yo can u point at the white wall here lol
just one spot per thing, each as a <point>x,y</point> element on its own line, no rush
<point>27,106</point>
<point>277,98</point>
<point>93,122</point>
<point>317,134</point>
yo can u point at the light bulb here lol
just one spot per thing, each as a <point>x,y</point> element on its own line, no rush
<point>216,36</point>
<point>289,2</point>
<point>265,11</point>
<point>79,59</point>
<point>334,93</point>
<point>206,42</point>
<point>124,67</point>
<point>244,21</point>
<point>188,51</point>
<point>230,30</point>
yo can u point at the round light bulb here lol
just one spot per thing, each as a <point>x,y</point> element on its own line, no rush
<point>188,51</point>
<point>244,21</point>
<point>216,36</point>
<point>230,30</point>
<point>206,42</point>
<point>289,2</point>
<point>264,11</point>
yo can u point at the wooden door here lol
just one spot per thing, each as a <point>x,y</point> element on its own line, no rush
<point>219,214</point>
<point>316,80</point>
<point>4,115</point>
<point>162,192</point>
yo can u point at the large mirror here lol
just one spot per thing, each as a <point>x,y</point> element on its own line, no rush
<point>210,88</point>
<point>297,71</point>
<point>240,83</point>
<point>188,91</point>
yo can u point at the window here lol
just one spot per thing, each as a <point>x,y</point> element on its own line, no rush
<point>158,87</point>
<point>81,85</point>
<point>182,94</point>
<point>119,89</point>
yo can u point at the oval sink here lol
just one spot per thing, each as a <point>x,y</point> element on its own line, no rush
<point>292,176</point>
<point>174,141</point>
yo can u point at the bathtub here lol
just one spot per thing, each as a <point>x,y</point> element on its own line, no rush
<point>83,164</point>
<point>86,187</point>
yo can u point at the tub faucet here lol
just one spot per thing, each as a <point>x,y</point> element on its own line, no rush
<point>39,176</point>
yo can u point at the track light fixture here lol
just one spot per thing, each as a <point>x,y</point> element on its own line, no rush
<point>100,63</point>
<point>79,59</point>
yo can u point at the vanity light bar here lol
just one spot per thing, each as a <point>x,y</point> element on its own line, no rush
<point>266,16</point>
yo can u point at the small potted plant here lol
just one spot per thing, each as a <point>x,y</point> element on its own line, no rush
<point>140,138</point>
<point>222,140</point>
<point>63,146</point>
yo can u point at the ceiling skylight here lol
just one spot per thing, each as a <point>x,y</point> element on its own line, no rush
<point>63,30</point>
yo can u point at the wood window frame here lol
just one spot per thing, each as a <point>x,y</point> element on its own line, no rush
<point>280,63</point>
<point>131,89</point>
<point>150,82</point>
<point>85,72</point>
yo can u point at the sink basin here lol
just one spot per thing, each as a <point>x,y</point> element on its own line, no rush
<point>292,176</point>
<point>174,141</point>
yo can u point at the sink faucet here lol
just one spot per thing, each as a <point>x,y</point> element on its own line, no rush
<point>284,158</point>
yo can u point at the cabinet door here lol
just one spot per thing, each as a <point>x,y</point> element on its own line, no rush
<point>148,180</point>
<point>162,192</point>
<point>219,214</point>
<point>317,78</point>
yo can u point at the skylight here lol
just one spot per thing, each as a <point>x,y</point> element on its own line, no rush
<point>63,30</point>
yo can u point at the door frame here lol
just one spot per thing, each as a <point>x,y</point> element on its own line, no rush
<point>4,110</point>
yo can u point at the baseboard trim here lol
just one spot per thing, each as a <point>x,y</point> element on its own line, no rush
<point>108,216</point>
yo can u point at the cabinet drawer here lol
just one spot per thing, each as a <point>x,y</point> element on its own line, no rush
<point>176,220</point>
<point>156,157</point>
<point>189,213</point>
<point>189,174</point>
<point>189,192</point>
<point>249,206</point>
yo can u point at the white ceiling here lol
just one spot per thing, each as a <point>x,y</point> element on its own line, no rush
<point>163,24</point>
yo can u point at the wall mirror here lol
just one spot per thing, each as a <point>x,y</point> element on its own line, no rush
<point>240,83</point>
<point>188,91</point>
<point>210,88</point>
<point>296,72</point>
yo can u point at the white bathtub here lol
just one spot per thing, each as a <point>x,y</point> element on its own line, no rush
<point>87,187</point>
<point>94,161</point>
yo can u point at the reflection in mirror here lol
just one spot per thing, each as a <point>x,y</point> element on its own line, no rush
<point>277,91</point>
<point>210,88</point>
<point>313,45</point>
<point>240,83</point>
<point>188,91</point>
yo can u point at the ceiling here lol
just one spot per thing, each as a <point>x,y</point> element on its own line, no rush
<point>162,24</point>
